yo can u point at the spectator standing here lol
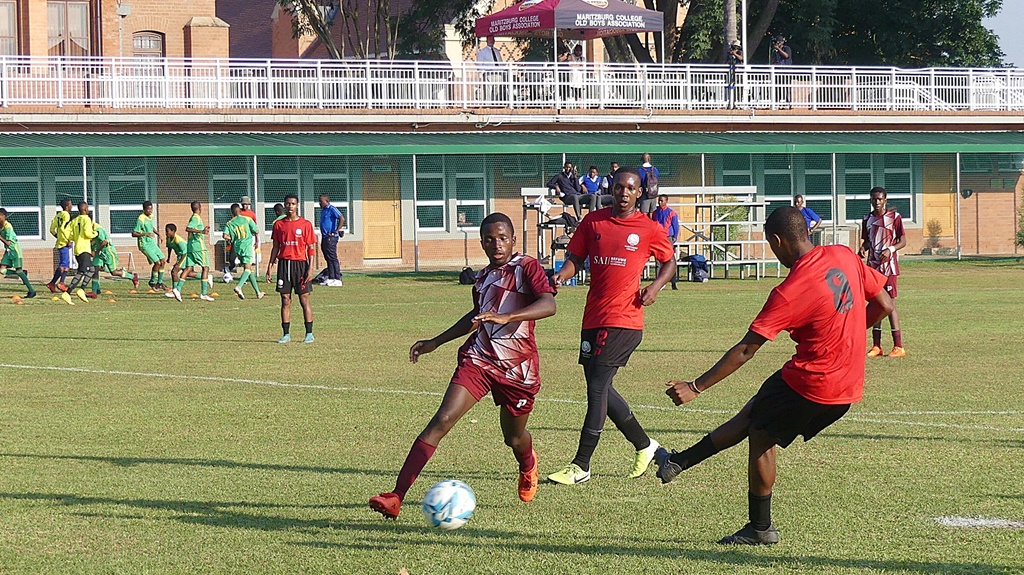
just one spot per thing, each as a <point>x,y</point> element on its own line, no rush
<point>331,230</point>
<point>648,185</point>
<point>577,74</point>
<point>489,60</point>
<point>882,236</point>
<point>735,58</point>
<point>781,55</point>
<point>813,220</point>
<point>566,185</point>
<point>668,219</point>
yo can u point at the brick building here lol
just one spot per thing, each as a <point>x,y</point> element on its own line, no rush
<point>141,28</point>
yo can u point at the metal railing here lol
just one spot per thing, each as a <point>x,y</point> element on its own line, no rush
<point>191,84</point>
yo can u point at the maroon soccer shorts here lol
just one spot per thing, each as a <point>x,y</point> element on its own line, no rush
<point>517,399</point>
<point>890,286</point>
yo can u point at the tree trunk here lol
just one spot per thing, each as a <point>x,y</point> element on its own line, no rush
<point>764,21</point>
<point>729,33</point>
<point>618,50</point>
<point>640,52</point>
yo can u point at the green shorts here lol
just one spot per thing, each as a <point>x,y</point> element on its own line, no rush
<point>245,257</point>
<point>195,259</point>
<point>12,258</point>
<point>106,262</point>
<point>152,252</point>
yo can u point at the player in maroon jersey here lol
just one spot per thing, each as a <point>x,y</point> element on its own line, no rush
<point>882,235</point>
<point>825,303</point>
<point>295,246</point>
<point>619,241</point>
<point>499,356</point>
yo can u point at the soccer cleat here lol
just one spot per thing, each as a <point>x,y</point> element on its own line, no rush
<point>667,469</point>
<point>168,294</point>
<point>62,287</point>
<point>135,281</point>
<point>238,292</point>
<point>205,297</point>
<point>387,504</point>
<point>286,338</point>
<point>750,536</point>
<point>875,351</point>
<point>571,475</point>
<point>643,460</point>
<point>259,295</point>
<point>897,352</point>
<point>52,287</point>
<point>92,295</point>
<point>176,294</point>
<point>81,295</point>
<point>160,287</point>
<point>30,295</point>
<point>528,482</point>
<point>308,339</point>
<point>66,298</point>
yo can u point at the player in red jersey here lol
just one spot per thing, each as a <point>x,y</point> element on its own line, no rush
<point>295,246</point>
<point>882,235</point>
<point>619,241</point>
<point>499,356</point>
<point>829,298</point>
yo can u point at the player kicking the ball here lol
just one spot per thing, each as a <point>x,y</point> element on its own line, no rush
<point>829,298</point>
<point>499,356</point>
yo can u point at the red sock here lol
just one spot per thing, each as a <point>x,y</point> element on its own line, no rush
<point>525,458</point>
<point>418,457</point>
<point>897,338</point>
<point>876,337</point>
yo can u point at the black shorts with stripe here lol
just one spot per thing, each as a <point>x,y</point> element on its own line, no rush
<point>785,414</point>
<point>291,277</point>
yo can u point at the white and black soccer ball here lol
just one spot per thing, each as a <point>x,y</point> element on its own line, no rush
<point>228,278</point>
<point>449,504</point>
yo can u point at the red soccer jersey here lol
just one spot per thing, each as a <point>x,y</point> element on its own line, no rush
<point>618,248</point>
<point>822,304</point>
<point>295,237</point>
<point>249,213</point>
<point>508,351</point>
<point>881,232</point>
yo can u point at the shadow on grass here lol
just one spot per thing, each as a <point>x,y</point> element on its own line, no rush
<point>445,277</point>
<point>123,339</point>
<point>225,463</point>
<point>735,557</point>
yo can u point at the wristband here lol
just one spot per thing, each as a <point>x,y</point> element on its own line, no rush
<point>693,387</point>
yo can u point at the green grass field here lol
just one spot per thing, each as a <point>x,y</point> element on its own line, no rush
<point>146,436</point>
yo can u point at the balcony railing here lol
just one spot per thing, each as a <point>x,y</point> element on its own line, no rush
<point>190,84</point>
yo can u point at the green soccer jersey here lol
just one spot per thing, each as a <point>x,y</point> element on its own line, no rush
<point>144,225</point>
<point>106,251</point>
<point>281,217</point>
<point>196,242</point>
<point>7,233</point>
<point>178,245</point>
<point>241,229</point>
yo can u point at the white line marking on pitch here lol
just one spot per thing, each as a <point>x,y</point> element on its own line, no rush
<point>979,522</point>
<point>852,418</point>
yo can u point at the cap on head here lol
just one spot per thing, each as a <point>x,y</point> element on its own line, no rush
<point>245,200</point>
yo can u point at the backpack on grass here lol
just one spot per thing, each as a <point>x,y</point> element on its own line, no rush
<point>467,276</point>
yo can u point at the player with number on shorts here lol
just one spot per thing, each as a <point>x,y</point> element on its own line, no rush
<point>500,356</point>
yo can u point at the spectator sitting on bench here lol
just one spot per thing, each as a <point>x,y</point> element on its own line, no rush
<point>566,185</point>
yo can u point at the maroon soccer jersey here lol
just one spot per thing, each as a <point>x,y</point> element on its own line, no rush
<point>822,304</point>
<point>296,238</point>
<point>507,351</point>
<point>619,249</point>
<point>881,232</point>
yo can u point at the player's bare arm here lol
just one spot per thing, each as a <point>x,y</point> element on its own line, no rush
<point>650,293</point>
<point>273,260</point>
<point>569,268</point>
<point>543,307</point>
<point>465,326</point>
<point>879,307</point>
<point>684,391</point>
<point>887,253</point>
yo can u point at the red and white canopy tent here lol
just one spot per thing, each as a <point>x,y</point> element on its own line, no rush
<point>576,19</point>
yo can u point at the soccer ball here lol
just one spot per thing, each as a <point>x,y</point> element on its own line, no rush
<point>228,278</point>
<point>449,504</point>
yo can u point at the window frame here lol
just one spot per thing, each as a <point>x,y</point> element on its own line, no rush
<point>132,207</point>
<point>15,40</point>
<point>149,53</point>
<point>64,37</point>
<point>346,203</point>
<point>36,209</point>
